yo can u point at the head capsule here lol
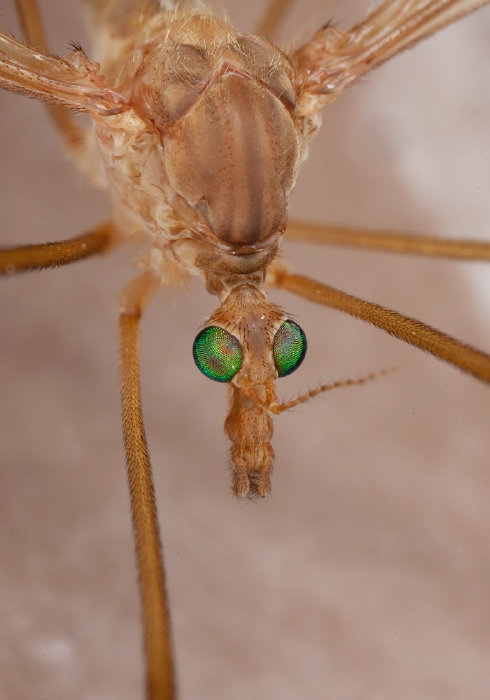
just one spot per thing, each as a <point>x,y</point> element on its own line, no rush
<point>249,342</point>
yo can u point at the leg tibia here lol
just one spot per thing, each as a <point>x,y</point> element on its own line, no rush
<point>389,241</point>
<point>404,328</point>
<point>46,255</point>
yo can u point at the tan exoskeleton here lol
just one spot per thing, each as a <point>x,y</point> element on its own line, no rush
<point>198,136</point>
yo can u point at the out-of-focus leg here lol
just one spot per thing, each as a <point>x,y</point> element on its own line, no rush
<point>389,241</point>
<point>272,17</point>
<point>30,19</point>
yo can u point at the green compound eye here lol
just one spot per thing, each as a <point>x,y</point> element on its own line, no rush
<point>289,348</point>
<point>217,354</point>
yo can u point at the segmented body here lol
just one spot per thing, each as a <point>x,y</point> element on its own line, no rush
<point>201,163</point>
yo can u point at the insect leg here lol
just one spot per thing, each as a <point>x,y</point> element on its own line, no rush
<point>74,82</point>
<point>272,17</point>
<point>45,255</point>
<point>389,241</point>
<point>30,20</point>
<point>332,59</point>
<point>160,684</point>
<point>414,332</point>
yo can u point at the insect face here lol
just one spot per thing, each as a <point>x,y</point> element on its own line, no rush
<point>379,519</point>
<point>249,343</point>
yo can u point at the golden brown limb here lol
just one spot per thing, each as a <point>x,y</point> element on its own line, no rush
<point>73,82</point>
<point>389,241</point>
<point>30,20</point>
<point>45,255</point>
<point>160,683</point>
<point>405,328</point>
<point>272,17</point>
<point>125,17</point>
<point>332,60</point>
<point>281,407</point>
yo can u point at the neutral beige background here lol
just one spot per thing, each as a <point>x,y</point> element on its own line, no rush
<point>367,574</point>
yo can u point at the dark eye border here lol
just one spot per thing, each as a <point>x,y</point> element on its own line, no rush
<point>300,335</point>
<point>205,351</point>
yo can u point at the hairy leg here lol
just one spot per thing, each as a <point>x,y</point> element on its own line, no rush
<point>47,255</point>
<point>160,683</point>
<point>402,327</point>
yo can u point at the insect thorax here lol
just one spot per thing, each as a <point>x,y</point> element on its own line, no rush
<point>211,146</point>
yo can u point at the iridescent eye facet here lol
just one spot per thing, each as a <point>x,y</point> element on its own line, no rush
<point>289,348</point>
<point>217,353</point>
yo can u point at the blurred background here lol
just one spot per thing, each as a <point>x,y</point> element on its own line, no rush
<point>366,574</point>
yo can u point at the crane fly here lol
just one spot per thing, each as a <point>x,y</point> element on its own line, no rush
<point>206,389</point>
